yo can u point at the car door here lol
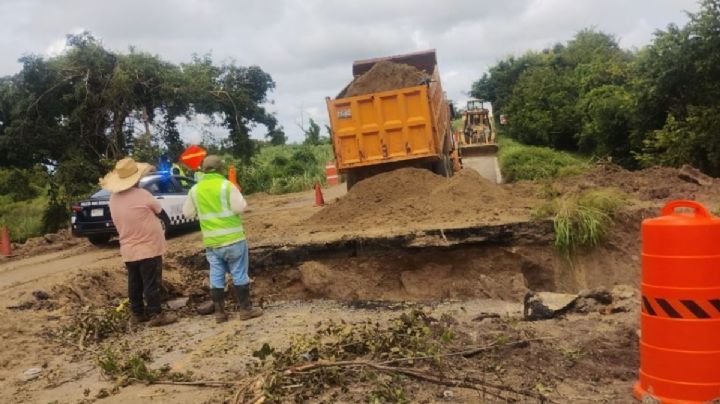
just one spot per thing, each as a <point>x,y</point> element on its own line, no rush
<point>184,184</point>
<point>171,198</point>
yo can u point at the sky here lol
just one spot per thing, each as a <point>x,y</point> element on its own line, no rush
<point>308,46</point>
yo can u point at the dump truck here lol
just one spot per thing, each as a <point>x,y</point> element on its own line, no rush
<point>397,127</point>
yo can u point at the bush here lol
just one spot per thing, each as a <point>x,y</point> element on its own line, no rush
<point>21,185</point>
<point>582,220</point>
<point>24,219</point>
<point>283,169</point>
<point>520,162</point>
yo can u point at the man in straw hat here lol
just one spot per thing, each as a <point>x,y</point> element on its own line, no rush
<point>218,204</point>
<point>142,239</point>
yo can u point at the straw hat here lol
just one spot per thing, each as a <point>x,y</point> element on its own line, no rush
<point>126,174</point>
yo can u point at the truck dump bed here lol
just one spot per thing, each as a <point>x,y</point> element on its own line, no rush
<point>391,126</point>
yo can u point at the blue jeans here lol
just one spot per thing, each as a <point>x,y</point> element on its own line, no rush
<point>231,258</point>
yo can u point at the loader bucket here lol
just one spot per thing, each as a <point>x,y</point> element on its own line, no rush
<point>483,149</point>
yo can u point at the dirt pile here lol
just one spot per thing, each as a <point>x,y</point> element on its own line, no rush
<point>412,196</point>
<point>385,76</point>
<point>92,288</point>
<point>652,184</point>
<point>47,243</point>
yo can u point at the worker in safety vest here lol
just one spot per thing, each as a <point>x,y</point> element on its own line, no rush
<point>176,169</point>
<point>218,204</point>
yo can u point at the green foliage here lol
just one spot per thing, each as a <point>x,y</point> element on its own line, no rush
<point>24,219</point>
<point>582,221</point>
<point>520,162</point>
<point>412,338</point>
<point>22,201</point>
<point>80,111</point>
<point>283,169</point>
<point>607,121</point>
<point>312,134</point>
<point>276,136</point>
<point>133,368</point>
<point>22,184</point>
<point>94,324</point>
<point>543,109</point>
<point>658,105</point>
<point>694,139</point>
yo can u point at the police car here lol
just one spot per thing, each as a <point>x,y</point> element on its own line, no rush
<point>91,217</point>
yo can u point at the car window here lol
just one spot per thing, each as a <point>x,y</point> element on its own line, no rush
<point>151,186</point>
<point>166,185</point>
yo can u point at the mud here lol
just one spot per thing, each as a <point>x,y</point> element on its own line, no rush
<point>62,240</point>
<point>385,76</point>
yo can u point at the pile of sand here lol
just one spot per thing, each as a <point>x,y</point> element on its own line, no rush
<point>409,197</point>
<point>385,76</point>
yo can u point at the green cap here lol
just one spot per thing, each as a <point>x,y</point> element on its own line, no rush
<point>212,163</point>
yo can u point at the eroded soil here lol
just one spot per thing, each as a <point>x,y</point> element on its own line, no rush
<point>582,357</point>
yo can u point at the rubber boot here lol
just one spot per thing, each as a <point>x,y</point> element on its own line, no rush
<point>218,297</point>
<point>161,319</point>
<point>246,310</point>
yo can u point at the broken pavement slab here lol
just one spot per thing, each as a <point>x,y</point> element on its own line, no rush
<point>546,305</point>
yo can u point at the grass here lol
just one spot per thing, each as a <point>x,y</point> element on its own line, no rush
<point>114,365</point>
<point>521,162</point>
<point>24,219</point>
<point>284,169</point>
<point>582,221</point>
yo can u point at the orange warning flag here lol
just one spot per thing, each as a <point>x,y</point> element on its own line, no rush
<point>193,156</point>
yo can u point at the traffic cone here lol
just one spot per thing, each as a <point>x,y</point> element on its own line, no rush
<point>319,200</point>
<point>232,177</point>
<point>5,247</point>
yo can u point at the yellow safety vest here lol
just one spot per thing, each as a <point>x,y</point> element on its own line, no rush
<point>219,224</point>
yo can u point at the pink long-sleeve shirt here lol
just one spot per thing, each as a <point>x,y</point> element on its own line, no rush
<point>134,214</point>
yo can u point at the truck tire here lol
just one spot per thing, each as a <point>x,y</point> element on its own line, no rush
<point>352,179</point>
<point>443,166</point>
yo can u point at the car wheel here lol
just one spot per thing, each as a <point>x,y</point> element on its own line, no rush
<point>100,239</point>
<point>165,223</point>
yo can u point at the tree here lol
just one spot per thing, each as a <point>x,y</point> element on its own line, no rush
<point>497,85</point>
<point>80,111</point>
<point>607,123</point>
<point>276,136</point>
<point>312,133</point>
<point>543,109</point>
<point>678,92</point>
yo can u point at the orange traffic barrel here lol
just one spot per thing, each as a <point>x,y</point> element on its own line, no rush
<point>680,315</point>
<point>331,173</point>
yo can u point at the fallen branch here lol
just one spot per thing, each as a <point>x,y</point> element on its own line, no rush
<point>475,384</point>
<point>197,383</point>
<point>471,352</point>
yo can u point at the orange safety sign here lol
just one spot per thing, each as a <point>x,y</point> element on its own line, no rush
<point>193,156</point>
<point>232,177</point>
<point>680,306</point>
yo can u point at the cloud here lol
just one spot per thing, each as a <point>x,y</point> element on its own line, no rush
<point>308,46</point>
